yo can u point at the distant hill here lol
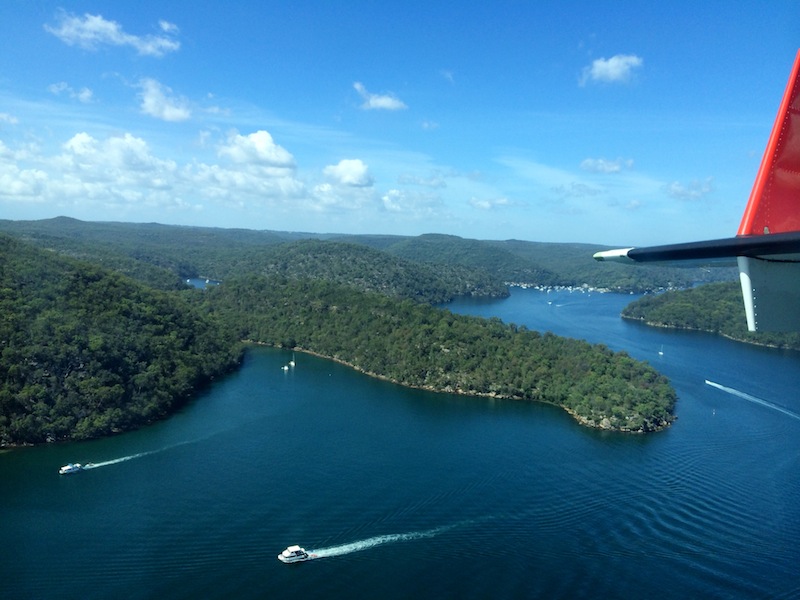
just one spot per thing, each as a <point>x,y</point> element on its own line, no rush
<point>429,268</point>
<point>550,264</point>
<point>164,256</point>
<point>541,263</point>
<point>367,269</point>
<point>449,249</point>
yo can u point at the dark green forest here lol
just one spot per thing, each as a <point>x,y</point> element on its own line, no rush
<point>715,307</point>
<point>430,268</point>
<point>87,352</point>
<point>417,345</point>
<point>100,333</point>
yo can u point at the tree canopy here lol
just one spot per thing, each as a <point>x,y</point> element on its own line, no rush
<point>86,352</point>
<point>716,308</point>
<point>421,346</point>
<point>100,335</point>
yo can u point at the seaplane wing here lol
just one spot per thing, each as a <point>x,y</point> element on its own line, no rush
<point>767,245</point>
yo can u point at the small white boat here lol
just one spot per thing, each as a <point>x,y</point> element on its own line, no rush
<point>70,468</point>
<point>294,554</point>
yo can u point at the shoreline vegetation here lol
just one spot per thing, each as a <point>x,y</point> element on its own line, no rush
<point>101,333</point>
<point>86,352</point>
<point>601,423</point>
<point>714,308</point>
<point>424,347</point>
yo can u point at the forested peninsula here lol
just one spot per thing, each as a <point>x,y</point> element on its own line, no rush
<point>101,334</point>
<point>715,308</point>
<point>420,346</point>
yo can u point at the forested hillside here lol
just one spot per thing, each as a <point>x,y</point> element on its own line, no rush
<point>716,308</point>
<point>449,249</point>
<point>421,346</point>
<point>374,271</point>
<point>164,256</point>
<point>540,263</point>
<point>87,352</point>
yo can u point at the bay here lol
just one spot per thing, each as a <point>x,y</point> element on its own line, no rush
<point>406,493</point>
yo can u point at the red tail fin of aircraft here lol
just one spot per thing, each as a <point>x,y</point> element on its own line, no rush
<point>767,246</point>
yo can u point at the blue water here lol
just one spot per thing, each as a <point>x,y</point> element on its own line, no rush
<point>404,493</point>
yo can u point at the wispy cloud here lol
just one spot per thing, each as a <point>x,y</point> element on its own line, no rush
<point>412,205</point>
<point>602,165</point>
<point>577,189</point>
<point>7,118</point>
<point>168,27</point>
<point>617,69</point>
<point>159,102</point>
<point>378,101</point>
<point>488,203</point>
<point>694,190</point>
<point>92,31</point>
<point>82,95</point>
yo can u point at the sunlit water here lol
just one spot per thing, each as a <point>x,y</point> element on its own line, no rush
<point>403,493</point>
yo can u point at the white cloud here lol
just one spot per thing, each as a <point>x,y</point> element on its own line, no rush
<point>247,174</point>
<point>378,101</point>
<point>7,118</point>
<point>158,102</point>
<point>602,165</point>
<point>393,200</point>
<point>349,172</point>
<point>413,206</point>
<point>244,185</point>
<point>83,95</point>
<point>123,163</point>
<point>91,31</point>
<point>16,182</point>
<point>695,190</point>
<point>168,27</point>
<point>488,203</point>
<point>121,173</point>
<point>617,69</point>
<point>257,149</point>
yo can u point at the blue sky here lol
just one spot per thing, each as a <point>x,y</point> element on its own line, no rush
<point>610,123</point>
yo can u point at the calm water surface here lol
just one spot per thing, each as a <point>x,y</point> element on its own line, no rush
<point>405,493</point>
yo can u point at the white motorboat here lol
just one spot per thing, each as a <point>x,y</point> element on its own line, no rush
<point>70,468</point>
<point>294,554</point>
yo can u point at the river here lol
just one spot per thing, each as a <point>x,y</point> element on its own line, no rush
<point>404,493</point>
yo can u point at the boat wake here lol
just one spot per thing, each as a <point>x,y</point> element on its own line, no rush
<point>753,399</point>
<point>138,455</point>
<point>376,541</point>
<point>116,460</point>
